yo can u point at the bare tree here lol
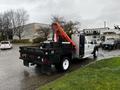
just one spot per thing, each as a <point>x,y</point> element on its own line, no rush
<point>6,25</point>
<point>69,26</point>
<point>12,22</point>
<point>44,31</point>
<point>58,19</point>
<point>1,34</point>
<point>0,22</point>
<point>19,20</point>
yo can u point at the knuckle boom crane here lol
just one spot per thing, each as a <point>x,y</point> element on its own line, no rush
<point>59,30</point>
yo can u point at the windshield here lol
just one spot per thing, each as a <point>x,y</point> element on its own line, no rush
<point>4,42</point>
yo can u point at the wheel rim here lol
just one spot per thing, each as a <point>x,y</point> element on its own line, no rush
<point>65,64</point>
<point>96,53</point>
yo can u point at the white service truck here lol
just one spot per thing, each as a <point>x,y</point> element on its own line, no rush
<point>59,49</point>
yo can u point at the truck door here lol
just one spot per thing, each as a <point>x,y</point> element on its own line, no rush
<point>89,47</point>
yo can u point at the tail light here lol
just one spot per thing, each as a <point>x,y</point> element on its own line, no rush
<point>45,61</point>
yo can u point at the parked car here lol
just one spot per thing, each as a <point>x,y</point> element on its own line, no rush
<point>117,43</point>
<point>5,45</point>
<point>109,45</point>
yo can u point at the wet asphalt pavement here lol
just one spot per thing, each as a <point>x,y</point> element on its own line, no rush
<point>15,76</point>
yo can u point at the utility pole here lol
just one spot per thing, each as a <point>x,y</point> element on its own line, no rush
<point>105,24</point>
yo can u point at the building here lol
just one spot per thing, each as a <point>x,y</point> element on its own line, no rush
<point>111,34</point>
<point>95,33</point>
<point>102,34</point>
<point>31,31</point>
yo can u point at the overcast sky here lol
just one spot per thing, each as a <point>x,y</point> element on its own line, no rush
<point>91,13</point>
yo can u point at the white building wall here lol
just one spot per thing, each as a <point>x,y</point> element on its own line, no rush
<point>101,31</point>
<point>30,31</point>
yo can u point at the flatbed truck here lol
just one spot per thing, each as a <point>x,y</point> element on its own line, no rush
<point>59,49</point>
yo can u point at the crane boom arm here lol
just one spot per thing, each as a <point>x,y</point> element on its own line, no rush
<point>58,29</point>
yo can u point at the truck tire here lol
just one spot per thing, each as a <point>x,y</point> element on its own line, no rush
<point>95,53</point>
<point>63,65</point>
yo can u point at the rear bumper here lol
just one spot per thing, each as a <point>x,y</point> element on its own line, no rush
<point>39,60</point>
<point>33,61</point>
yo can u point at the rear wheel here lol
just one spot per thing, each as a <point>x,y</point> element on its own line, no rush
<point>64,64</point>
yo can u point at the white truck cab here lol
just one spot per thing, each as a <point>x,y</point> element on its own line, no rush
<point>84,46</point>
